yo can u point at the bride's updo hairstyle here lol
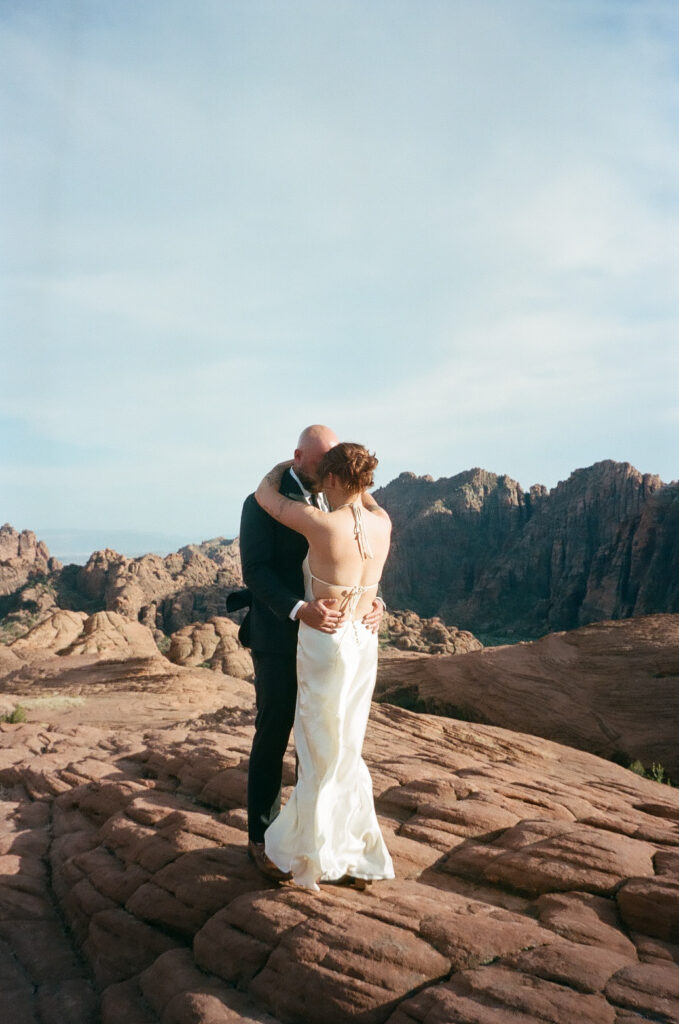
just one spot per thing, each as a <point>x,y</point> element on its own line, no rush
<point>352,464</point>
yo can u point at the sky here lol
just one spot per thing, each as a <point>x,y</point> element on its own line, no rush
<point>447,228</point>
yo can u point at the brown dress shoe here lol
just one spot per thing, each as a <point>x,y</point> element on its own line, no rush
<point>257,855</point>
<point>361,884</point>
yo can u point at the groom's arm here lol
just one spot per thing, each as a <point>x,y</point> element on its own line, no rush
<point>257,551</point>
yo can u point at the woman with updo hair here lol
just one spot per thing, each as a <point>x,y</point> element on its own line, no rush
<point>328,829</point>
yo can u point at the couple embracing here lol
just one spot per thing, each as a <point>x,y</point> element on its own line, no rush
<point>313,545</point>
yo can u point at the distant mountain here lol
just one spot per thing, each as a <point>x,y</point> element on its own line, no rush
<point>76,546</point>
<point>474,550</point>
<point>477,551</point>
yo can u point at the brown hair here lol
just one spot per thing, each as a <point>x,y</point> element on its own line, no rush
<point>351,463</point>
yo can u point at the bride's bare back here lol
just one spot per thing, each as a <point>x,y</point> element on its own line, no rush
<point>336,558</point>
<point>347,547</point>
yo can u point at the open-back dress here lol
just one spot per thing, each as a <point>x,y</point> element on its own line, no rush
<point>328,828</point>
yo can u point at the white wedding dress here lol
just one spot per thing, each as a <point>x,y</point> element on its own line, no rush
<point>328,828</point>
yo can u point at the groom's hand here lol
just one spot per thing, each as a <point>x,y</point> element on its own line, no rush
<point>320,614</point>
<point>373,618</point>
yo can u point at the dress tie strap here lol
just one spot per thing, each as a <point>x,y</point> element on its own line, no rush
<point>359,531</point>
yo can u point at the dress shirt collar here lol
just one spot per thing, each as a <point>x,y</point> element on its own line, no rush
<point>305,492</point>
<point>308,496</point>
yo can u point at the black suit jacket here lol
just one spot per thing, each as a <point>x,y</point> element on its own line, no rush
<point>271,557</point>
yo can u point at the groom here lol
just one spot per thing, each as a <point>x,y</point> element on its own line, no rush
<point>272,556</point>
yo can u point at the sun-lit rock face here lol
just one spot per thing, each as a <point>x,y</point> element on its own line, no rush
<point>163,593</point>
<point>214,644</point>
<point>22,556</point>
<point>534,881</point>
<point>478,551</point>
<point>611,688</point>
<point>55,633</point>
<point>406,631</point>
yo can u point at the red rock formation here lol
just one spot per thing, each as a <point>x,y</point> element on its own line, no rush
<point>55,633</point>
<point>214,643</point>
<point>534,882</point>
<point>164,593</point>
<point>406,631</point>
<point>22,557</point>
<point>611,688</point>
<point>478,551</point>
<point>22,547</point>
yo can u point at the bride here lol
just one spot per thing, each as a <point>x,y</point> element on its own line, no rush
<point>328,830</point>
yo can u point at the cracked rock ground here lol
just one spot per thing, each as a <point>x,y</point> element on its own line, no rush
<point>534,882</point>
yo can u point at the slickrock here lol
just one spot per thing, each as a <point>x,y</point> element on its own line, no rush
<point>115,636</point>
<point>611,688</point>
<point>651,906</point>
<point>127,893</point>
<point>55,633</point>
<point>214,643</point>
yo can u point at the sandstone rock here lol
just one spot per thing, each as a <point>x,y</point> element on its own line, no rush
<point>476,550</point>
<point>215,643</point>
<point>8,662</point>
<point>144,832</point>
<point>587,919</point>
<point>118,946</point>
<point>598,688</point>
<point>537,857</point>
<point>115,636</point>
<point>408,632</point>
<point>232,659</point>
<point>22,556</point>
<point>650,989</point>
<point>180,993</point>
<point>495,995</point>
<point>55,633</point>
<point>651,906</point>
<point>167,593</point>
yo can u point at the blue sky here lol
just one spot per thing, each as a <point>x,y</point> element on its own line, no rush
<point>448,228</point>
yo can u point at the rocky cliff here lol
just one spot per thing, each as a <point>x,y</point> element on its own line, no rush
<point>478,551</point>
<point>165,594</point>
<point>22,556</point>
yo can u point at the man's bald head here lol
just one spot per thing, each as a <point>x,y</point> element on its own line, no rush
<point>313,443</point>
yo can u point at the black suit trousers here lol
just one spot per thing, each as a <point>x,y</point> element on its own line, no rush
<point>276,695</point>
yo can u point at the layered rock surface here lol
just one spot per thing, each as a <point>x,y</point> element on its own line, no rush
<point>611,688</point>
<point>163,593</point>
<point>478,551</point>
<point>22,556</point>
<point>213,644</point>
<point>406,631</point>
<point>25,596</point>
<point>534,882</point>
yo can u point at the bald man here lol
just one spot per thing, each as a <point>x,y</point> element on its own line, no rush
<point>272,557</point>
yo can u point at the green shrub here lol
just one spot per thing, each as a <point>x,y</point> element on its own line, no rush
<point>656,772</point>
<point>16,716</point>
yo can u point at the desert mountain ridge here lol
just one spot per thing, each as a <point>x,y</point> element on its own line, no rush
<point>477,550</point>
<point>474,551</point>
